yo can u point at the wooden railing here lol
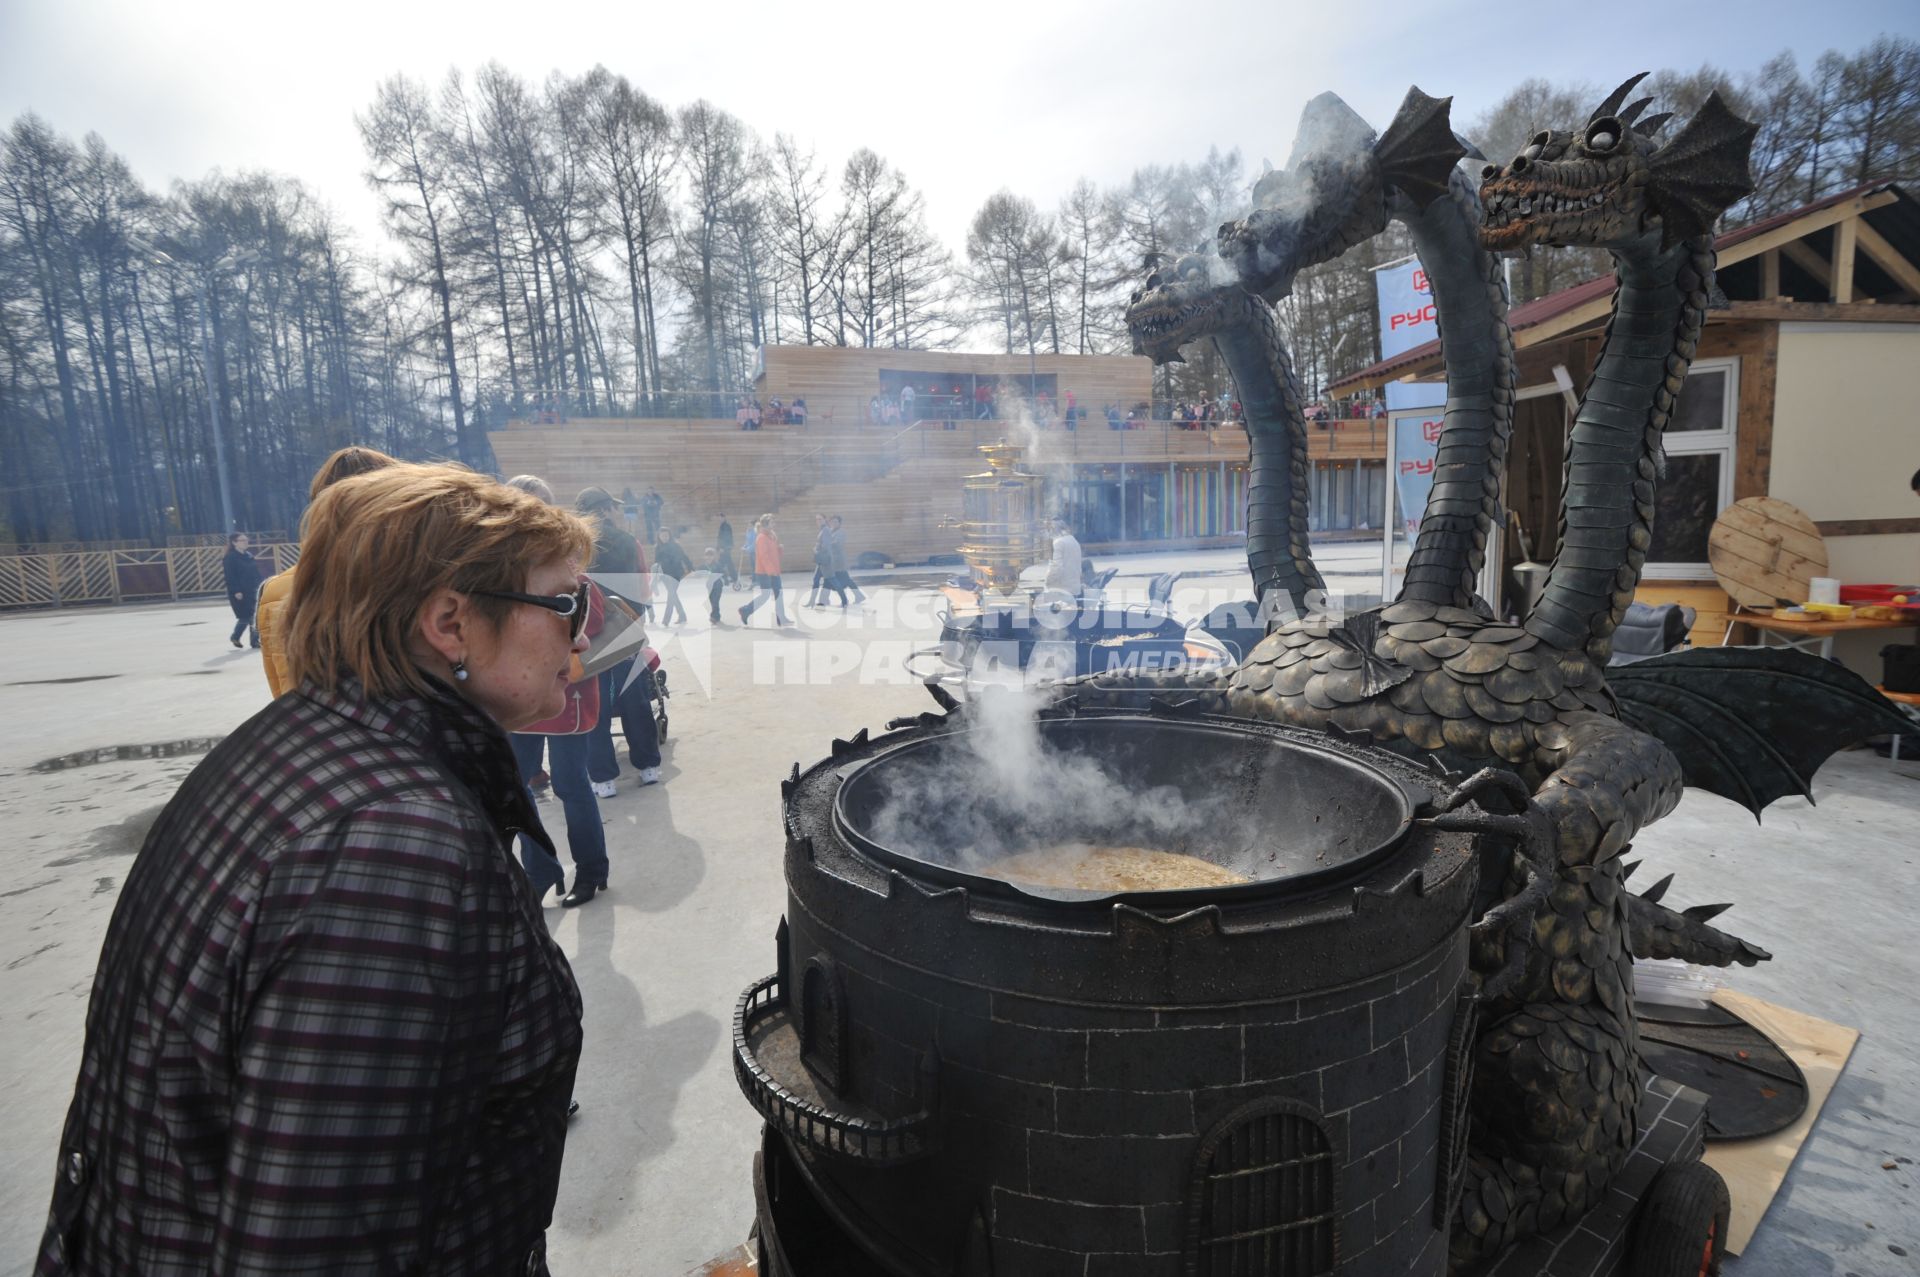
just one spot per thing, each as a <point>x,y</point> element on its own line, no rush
<point>70,578</point>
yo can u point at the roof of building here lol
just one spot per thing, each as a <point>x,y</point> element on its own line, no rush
<point>1898,222</point>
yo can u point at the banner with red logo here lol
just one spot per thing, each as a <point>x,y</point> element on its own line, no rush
<point>1415,409</point>
<point>1416,440</point>
<point>1406,308</point>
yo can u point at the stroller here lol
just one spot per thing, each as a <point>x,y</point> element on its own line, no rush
<point>658,674</point>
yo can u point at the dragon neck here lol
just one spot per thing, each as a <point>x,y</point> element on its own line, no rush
<point>1470,301</point>
<point>1278,553</point>
<point>1613,451</point>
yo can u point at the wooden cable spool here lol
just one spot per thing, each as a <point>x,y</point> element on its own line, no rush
<point>1763,550</point>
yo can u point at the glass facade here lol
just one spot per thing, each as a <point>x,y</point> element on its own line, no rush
<point>1180,501</point>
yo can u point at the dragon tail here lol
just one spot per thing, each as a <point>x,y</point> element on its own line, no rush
<point>1656,932</point>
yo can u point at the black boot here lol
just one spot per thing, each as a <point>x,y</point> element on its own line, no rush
<point>582,893</point>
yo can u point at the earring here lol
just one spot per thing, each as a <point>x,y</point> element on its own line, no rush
<point>460,671</point>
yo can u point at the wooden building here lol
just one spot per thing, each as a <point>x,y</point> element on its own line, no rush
<point>898,483</point>
<point>1800,390</point>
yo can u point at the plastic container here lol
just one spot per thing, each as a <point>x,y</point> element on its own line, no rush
<point>1877,593</point>
<point>1671,982</point>
<point>1829,611</point>
<point>1824,589</point>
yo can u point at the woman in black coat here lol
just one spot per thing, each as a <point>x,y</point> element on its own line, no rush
<point>329,1032</point>
<point>243,587</point>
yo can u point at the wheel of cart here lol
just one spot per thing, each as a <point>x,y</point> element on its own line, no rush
<point>659,675</point>
<point>1681,1223</point>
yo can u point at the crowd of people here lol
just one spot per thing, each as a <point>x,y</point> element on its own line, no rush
<point>749,413</point>
<point>1206,412</point>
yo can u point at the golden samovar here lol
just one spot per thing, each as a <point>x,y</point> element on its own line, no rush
<point>1003,528</point>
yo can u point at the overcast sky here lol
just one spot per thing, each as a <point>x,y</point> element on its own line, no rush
<point>965,98</point>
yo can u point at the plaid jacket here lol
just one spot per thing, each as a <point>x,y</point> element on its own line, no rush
<point>329,1032</point>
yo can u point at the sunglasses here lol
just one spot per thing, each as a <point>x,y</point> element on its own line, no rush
<point>572,606</point>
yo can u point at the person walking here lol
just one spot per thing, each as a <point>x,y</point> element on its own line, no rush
<point>564,742</point>
<point>672,567</point>
<point>716,581</point>
<point>822,570</point>
<point>327,1032</point>
<point>766,572</point>
<point>269,615</point>
<point>723,547</point>
<point>838,579</point>
<point>242,573</point>
<point>650,508</point>
<point>619,567</point>
<point>563,738</point>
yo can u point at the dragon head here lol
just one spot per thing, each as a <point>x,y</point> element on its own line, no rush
<point>1181,302</point>
<point>1611,182</point>
<point>1338,188</point>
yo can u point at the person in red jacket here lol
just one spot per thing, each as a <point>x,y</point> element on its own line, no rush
<point>564,739</point>
<point>766,572</point>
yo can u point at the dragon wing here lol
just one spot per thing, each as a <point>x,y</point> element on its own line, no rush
<point>1419,149</point>
<point>1748,723</point>
<point>1700,173</point>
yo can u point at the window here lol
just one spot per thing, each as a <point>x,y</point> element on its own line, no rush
<point>1697,484</point>
<point>1262,1198</point>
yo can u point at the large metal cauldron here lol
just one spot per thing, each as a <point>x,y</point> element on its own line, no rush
<point>962,1076</point>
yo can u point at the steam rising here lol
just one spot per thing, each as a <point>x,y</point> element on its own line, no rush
<point>1001,788</point>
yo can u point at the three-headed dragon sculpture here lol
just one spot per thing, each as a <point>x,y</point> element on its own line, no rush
<point>1574,759</point>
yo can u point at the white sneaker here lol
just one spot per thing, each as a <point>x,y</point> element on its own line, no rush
<point>649,776</point>
<point>604,788</point>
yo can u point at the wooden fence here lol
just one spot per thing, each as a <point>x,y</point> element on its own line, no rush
<point>70,578</point>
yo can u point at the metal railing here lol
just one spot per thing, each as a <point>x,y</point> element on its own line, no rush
<point>874,1141</point>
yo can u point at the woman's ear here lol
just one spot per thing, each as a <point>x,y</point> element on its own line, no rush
<point>445,625</point>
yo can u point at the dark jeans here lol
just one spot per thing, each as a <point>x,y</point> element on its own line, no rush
<point>714,587</point>
<point>769,589</point>
<point>840,583</point>
<point>635,708</point>
<point>586,836</point>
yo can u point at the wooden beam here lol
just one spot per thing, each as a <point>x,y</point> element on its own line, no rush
<point>1770,275</point>
<point>1753,445</point>
<point>1809,261</point>
<point>1866,527</point>
<point>1580,316</point>
<point>1820,312</point>
<point>1846,236</point>
<point>1888,258</point>
<point>1801,227</point>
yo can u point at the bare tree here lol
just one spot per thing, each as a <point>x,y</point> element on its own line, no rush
<point>715,149</point>
<point>1086,243</point>
<point>402,142</point>
<point>805,235</point>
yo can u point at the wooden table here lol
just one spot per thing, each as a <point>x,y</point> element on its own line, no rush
<point>1807,635</point>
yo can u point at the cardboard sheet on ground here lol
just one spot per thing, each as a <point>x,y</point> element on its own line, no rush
<point>1754,1169</point>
